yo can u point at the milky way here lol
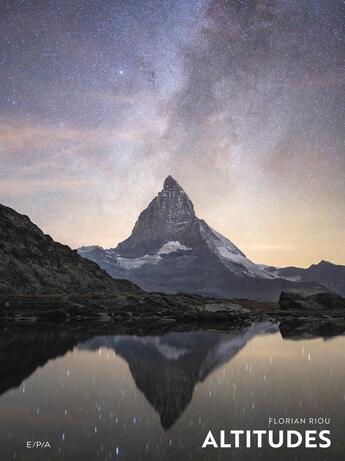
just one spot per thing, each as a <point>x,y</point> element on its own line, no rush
<point>242,101</point>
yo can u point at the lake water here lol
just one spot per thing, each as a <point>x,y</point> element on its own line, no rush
<point>156,398</point>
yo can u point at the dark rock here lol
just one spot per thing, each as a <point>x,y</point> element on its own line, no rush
<point>31,262</point>
<point>138,308</point>
<point>300,329</point>
<point>310,300</point>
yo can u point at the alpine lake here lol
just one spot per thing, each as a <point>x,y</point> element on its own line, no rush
<point>73,396</point>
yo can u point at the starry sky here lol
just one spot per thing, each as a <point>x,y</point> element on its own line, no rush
<point>242,101</point>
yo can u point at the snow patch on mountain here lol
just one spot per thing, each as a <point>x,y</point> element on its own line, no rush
<point>230,255</point>
<point>172,247</point>
<point>135,263</point>
<point>276,272</point>
<point>218,243</point>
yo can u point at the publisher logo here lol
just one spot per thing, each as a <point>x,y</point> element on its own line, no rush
<point>37,444</point>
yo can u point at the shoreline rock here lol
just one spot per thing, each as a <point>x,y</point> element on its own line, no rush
<point>146,313</point>
<point>311,300</point>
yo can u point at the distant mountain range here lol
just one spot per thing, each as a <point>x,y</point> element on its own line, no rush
<point>172,250</point>
<point>327,274</point>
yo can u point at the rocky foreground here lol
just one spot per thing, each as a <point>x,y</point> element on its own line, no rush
<point>314,314</point>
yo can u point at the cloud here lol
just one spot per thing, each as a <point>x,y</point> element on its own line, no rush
<point>17,135</point>
<point>37,157</point>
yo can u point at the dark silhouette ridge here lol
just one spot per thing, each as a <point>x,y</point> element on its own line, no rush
<point>32,262</point>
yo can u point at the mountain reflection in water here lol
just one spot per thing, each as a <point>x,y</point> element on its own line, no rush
<point>80,391</point>
<point>167,368</point>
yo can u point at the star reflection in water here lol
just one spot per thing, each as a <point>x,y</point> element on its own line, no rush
<point>156,397</point>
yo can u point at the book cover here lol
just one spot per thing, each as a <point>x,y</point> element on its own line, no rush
<point>172,245</point>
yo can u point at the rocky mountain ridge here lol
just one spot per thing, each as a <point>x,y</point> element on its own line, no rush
<point>326,273</point>
<point>32,262</point>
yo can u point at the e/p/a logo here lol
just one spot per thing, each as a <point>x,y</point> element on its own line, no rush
<point>37,444</point>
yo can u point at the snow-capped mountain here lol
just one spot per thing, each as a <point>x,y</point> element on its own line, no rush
<point>172,250</point>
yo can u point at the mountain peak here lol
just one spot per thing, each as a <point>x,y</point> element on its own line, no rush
<point>170,183</point>
<point>165,220</point>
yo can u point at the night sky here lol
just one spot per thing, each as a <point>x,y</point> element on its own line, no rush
<point>242,101</point>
